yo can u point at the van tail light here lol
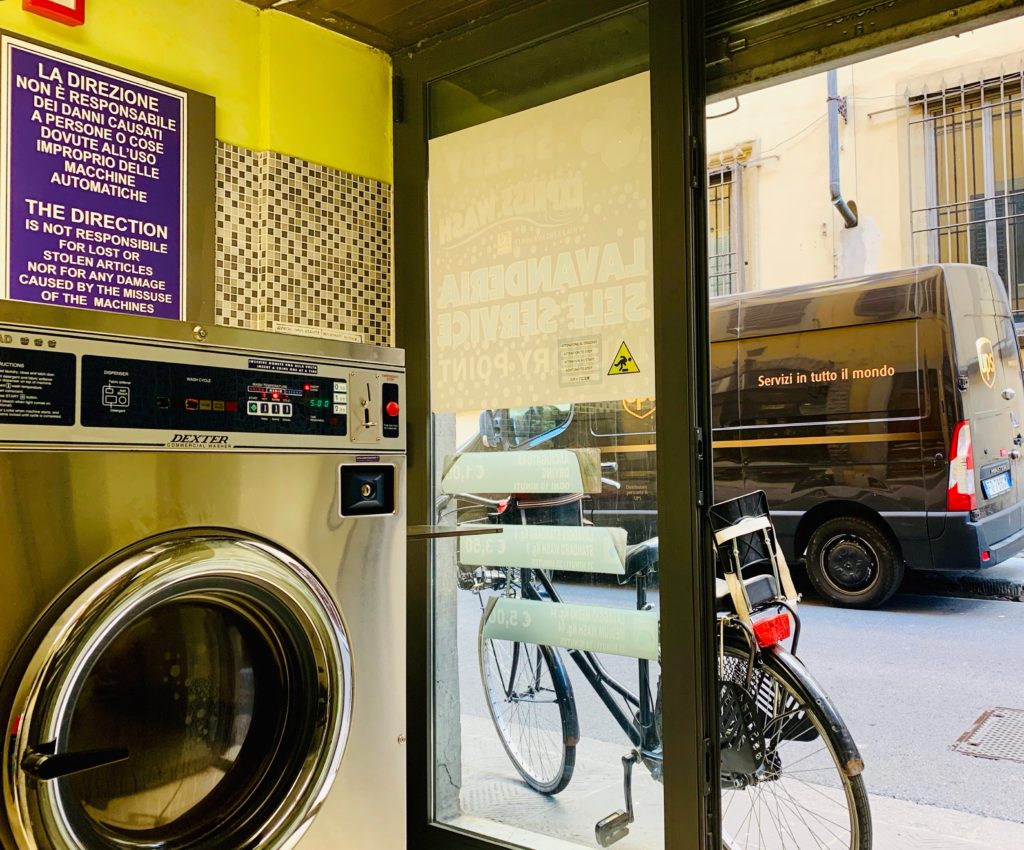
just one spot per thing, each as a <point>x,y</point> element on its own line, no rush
<point>961,496</point>
<point>772,630</point>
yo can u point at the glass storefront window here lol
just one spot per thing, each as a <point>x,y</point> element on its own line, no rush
<point>546,653</point>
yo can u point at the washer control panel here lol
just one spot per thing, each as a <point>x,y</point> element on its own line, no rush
<point>130,393</point>
<point>80,388</point>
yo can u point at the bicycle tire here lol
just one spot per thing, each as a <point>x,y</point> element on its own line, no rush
<point>816,803</point>
<point>530,700</point>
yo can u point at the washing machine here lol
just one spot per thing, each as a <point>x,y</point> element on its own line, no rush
<point>202,555</point>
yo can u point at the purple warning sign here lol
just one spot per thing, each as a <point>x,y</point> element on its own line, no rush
<point>91,182</point>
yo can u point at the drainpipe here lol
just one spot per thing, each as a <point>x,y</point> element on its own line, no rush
<point>847,210</point>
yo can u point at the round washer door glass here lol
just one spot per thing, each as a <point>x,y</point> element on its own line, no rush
<point>197,694</point>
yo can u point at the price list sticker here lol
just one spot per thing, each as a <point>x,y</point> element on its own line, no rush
<point>92,174</point>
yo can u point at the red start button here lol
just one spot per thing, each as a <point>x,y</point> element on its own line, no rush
<point>391,408</point>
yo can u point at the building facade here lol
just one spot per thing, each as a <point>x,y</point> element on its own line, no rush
<point>931,152</point>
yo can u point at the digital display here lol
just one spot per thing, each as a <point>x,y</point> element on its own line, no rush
<point>123,393</point>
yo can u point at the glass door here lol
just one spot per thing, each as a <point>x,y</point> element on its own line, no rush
<point>559,681</point>
<point>546,654</point>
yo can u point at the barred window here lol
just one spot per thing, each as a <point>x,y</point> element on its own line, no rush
<point>724,235</point>
<point>970,208</point>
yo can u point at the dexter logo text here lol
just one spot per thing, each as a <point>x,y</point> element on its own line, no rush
<point>208,441</point>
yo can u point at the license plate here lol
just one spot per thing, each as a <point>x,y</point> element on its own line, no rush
<point>996,486</point>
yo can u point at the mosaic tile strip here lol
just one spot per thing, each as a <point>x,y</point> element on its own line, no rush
<point>237,280</point>
<point>328,242</point>
<point>300,243</point>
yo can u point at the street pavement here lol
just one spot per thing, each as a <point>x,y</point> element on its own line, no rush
<point>909,679</point>
<point>495,803</point>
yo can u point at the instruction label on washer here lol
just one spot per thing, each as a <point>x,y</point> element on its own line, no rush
<point>36,387</point>
<point>265,365</point>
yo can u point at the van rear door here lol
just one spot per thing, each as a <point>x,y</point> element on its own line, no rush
<point>987,357</point>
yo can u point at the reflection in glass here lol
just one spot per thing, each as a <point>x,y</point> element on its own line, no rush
<point>194,693</point>
<point>530,700</point>
<point>541,718</point>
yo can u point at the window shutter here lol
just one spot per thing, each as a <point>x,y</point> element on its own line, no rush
<point>751,41</point>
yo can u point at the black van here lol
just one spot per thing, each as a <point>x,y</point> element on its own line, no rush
<point>882,415</point>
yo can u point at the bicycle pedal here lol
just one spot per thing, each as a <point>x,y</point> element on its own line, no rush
<point>612,828</point>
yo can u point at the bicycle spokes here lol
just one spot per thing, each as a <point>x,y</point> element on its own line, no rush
<point>530,701</point>
<point>793,795</point>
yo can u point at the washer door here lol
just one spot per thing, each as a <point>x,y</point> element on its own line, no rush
<point>196,695</point>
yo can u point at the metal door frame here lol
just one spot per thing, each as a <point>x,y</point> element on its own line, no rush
<point>745,43</point>
<point>677,94</point>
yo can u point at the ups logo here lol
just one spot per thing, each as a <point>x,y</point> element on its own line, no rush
<point>641,408</point>
<point>986,361</point>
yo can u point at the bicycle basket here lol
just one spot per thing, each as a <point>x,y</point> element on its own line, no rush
<point>748,553</point>
<point>751,549</point>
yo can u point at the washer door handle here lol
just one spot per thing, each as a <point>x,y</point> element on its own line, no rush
<point>44,764</point>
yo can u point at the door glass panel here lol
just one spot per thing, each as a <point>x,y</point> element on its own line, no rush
<point>193,694</point>
<point>546,648</point>
<point>199,697</point>
<point>880,413</point>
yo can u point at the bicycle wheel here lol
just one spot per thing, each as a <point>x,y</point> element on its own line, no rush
<point>533,709</point>
<point>798,796</point>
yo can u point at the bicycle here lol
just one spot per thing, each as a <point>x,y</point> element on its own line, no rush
<point>790,772</point>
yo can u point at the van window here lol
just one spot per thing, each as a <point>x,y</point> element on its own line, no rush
<point>974,327</point>
<point>528,423</point>
<point>836,374</point>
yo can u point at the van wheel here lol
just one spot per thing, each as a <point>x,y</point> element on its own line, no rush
<point>852,562</point>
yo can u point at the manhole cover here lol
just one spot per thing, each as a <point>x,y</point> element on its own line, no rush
<point>997,734</point>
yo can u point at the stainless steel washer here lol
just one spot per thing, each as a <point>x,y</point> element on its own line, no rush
<point>202,585</point>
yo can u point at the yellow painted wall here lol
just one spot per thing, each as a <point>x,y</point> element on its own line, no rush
<point>281,83</point>
<point>792,234</point>
<point>330,97</point>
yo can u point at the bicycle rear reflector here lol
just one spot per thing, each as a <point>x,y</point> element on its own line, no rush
<point>772,630</point>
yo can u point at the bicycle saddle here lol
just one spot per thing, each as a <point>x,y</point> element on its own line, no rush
<point>642,558</point>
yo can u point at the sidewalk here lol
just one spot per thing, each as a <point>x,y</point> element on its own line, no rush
<point>496,802</point>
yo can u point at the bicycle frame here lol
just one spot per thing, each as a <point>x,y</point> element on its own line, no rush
<point>639,727</point>
<point>756,614</point>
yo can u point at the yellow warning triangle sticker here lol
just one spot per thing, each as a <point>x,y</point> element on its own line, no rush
<point>623,364</point>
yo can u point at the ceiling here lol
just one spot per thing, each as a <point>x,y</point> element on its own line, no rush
<point>748,40</point>
<point>394,25</point>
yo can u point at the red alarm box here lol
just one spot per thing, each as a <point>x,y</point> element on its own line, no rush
<point>70,12</point>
